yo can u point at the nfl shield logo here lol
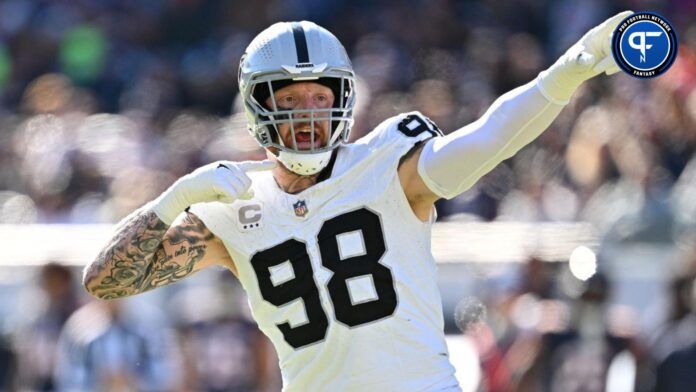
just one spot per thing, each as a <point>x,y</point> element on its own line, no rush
<point>300,208</point>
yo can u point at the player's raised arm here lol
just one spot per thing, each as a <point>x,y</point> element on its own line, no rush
<point>150,249</point>
<point>449,165</point>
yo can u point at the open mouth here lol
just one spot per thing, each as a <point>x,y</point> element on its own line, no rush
<point>304,140</point>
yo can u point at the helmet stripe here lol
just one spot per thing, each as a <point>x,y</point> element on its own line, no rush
<point>300,43</point>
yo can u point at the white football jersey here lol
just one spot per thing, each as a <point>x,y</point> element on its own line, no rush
<point>340,276</point>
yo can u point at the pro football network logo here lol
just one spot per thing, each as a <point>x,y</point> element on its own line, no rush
<point>644,45</point>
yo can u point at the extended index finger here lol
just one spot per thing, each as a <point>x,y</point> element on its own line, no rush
<point>601,38</point>
<point>610,24</point>
<point>248,166</point>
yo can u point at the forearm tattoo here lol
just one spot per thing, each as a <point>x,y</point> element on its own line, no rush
<point>135,261</point>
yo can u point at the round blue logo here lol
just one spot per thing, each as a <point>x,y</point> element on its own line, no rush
<point>644,45</point>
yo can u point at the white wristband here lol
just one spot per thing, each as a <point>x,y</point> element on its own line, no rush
<point>168,205</point>
<point>555,88</point>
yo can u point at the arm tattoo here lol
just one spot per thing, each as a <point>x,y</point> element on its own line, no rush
<point>136,261</point>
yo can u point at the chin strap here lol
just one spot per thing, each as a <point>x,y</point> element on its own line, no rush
<point>304,164</point>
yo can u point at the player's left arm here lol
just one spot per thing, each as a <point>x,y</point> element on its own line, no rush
<point>447,166</point>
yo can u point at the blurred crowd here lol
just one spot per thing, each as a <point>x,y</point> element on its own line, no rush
<point>201,338</point>
<point>103,104</point>
<point>548,331</point>
<point>552,332</point>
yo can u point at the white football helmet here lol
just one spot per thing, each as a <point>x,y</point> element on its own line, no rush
<point>289,52</point>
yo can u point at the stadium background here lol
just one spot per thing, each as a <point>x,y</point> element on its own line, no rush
<point>104,103</point>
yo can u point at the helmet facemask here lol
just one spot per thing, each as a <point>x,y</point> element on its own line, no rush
<point>269,65</point>
<point>339,119</point>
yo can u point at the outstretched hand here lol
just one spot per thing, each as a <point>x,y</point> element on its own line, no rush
<point>592,54</point>
<point>588,57</point>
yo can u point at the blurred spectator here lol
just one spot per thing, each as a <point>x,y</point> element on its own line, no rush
<point>674,343</point>
<point>496,375</point>
<point>223,348</point>
<point>8,365</point>
<point>679,331</point>
<point>531,311</point>
<point>102,348</point>
<point>676,372</point>
<point>227,354</point>
<point>507,336</point>
<point>590,354</point>
<point>36,341</point>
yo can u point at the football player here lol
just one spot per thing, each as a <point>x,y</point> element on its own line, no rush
<point>331,240</point>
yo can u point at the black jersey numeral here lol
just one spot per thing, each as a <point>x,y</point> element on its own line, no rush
<point>415,124</point>
<point>365,223</point>
<point>300,286</point>
<point>361,224</point>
